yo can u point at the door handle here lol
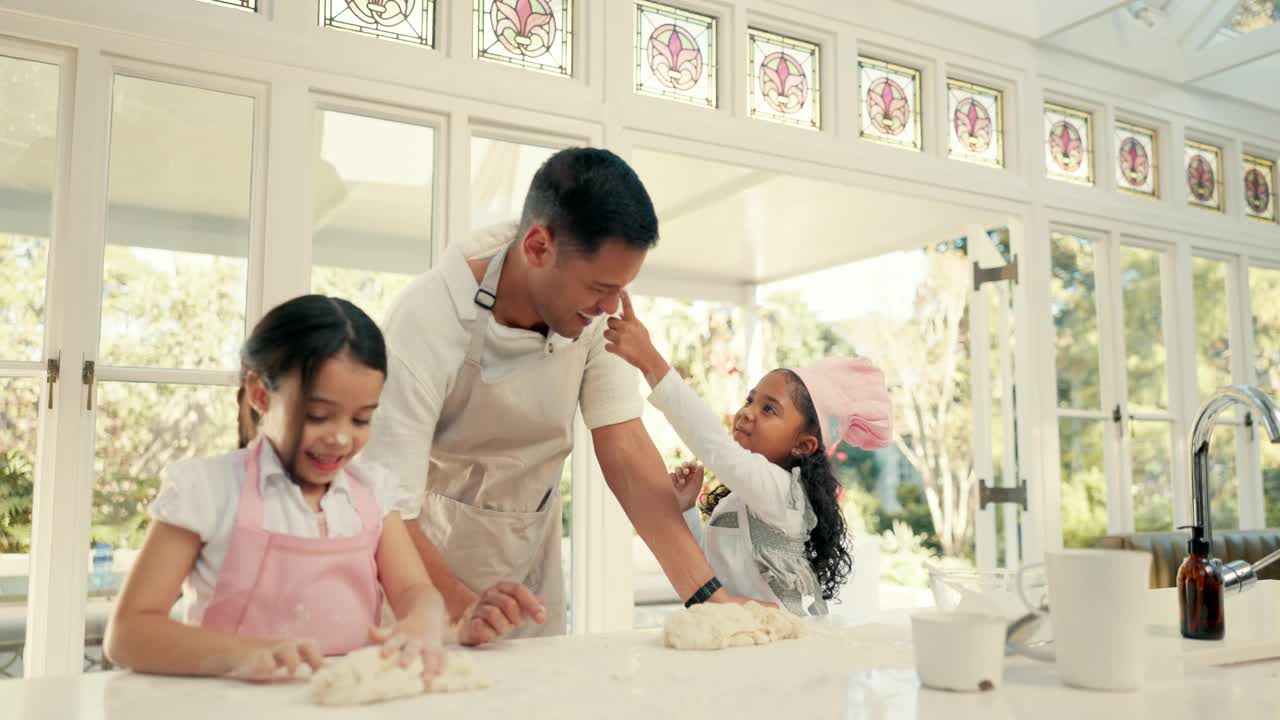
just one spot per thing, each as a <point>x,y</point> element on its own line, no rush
<point>51,375</point>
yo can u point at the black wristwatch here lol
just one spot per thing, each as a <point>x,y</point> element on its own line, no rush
<point>704,593</point>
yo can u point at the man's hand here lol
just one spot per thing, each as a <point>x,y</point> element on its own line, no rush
<point>629,339</point>
<point>497,611</point>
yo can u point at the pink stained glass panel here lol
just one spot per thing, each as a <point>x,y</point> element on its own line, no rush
<point>675,54</point>
<point>784,80</point>
<point>532,34</point>
<point>976,127</point>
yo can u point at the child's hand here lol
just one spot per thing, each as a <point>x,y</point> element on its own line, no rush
<point>281,661</point>
<point>413,638</point>
<point>629,339</point>
<point>687,481</point>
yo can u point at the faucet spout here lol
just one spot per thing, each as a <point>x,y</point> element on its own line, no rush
<point>1260,405</point>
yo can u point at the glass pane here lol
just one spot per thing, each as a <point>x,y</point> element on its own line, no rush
<point>141,428</point>
<point>1213,325</point>
<point>1152,475</point>
<point>1137,162</point>
<point>676,54</point>
<point>1224,483</point>
<point>703,343</point>
<point>996,360</point>
<point>373,208</point>
<point>1264,294</point>
<point>500,175</point>
<point>411,21</point>
<point>1068,145</point>
<point>1146,356</point>
<point>890,492</point>
<point>1259,188</point>
<point>174,275</point>
<point>19,409</point>
<point>566,536</point>
<point>891,103</point>
<point>534,34</point>
<point>1075,319</point>
<point>1084,488</point>
<point>28,124</point>
<point>28,149</point>
<point>977,123</point>
<point>24,268</point>
<point>783,77</point>
<point>1204,176</point>
<point>1271,482</point>
<point>249,5</point>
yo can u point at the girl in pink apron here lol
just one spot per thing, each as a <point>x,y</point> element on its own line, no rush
<point>775,532</point>
<point>283,549</point>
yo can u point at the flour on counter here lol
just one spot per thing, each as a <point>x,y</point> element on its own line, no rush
<point>364,676</point>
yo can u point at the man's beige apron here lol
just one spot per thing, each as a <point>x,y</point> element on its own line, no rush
<point>492,504</point>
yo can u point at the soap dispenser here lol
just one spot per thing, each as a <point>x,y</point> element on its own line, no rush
<point>1200,591</point>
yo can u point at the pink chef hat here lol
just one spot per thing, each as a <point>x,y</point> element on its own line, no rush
<point>852,402</point>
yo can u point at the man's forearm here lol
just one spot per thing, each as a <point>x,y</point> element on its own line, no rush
<point>635,473</point>
<point>457,596</point>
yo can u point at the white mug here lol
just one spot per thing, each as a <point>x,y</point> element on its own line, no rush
<point>1096,604</point>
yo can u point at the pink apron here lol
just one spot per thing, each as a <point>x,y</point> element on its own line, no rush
<point>273,585</point>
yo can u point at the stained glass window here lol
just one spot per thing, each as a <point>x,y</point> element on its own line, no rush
<point>1068,146</point>
<point>250,5</point>
<point>1204,175</point>
<point>1259,188</point>
<point>977,123</point>
<point>534,34</point>
<point>675,54</point>
<point>411,21</point>
<point>783,76</point>
<point>1137,160</point>
<point>890,103</point>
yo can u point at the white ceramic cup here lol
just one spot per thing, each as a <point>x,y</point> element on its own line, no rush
<point>958,651</point>
<point>1096,604</point>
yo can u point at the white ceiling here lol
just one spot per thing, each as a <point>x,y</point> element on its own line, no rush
<point>732,224</point>
<point>1178,40</point>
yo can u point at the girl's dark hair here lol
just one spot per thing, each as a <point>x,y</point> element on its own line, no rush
<point>300,335</point>
<point>826,550</point>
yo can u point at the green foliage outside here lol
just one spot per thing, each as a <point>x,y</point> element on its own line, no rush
<point>141,427</point>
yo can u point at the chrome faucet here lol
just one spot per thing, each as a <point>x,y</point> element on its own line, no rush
<point>1237,575</point>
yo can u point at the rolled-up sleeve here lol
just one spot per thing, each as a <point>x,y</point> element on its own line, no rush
<point>610,392</point>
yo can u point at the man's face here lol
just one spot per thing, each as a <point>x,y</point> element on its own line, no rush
<point>571,289</point>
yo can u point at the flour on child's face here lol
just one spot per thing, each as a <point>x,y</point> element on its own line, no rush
<point>335,420</point>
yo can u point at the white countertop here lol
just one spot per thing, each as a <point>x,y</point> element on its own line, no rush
<point>838,672</point>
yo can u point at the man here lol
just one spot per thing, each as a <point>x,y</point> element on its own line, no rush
<point>491,355</point>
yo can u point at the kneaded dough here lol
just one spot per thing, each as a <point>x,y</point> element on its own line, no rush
<point>717,626</point>
<point>364,676</point>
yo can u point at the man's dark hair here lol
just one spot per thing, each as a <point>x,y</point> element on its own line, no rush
<point>587,196</point>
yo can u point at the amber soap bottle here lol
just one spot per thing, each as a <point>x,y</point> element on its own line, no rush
<point>1200,592</point>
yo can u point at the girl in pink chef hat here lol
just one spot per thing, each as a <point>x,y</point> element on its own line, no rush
<point>775,531</point>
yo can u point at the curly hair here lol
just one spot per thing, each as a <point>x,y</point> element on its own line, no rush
<point>827,547</point>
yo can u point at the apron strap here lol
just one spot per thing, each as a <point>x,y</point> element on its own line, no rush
<point>362,497</point>
<point>486,296</point>
<point>250,510</point>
